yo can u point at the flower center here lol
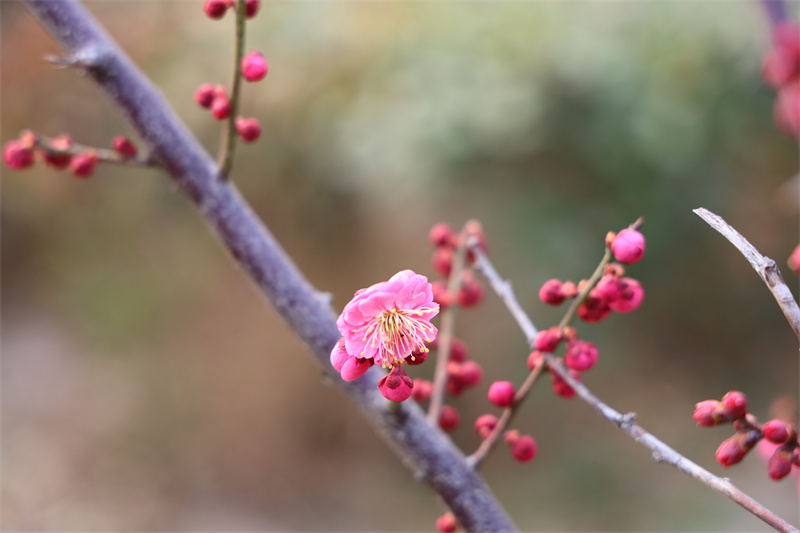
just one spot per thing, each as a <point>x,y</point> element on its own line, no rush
<point>399,332</point>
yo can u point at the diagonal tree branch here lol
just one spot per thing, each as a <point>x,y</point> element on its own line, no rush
<point>764,266</point>
<point>422,447</point>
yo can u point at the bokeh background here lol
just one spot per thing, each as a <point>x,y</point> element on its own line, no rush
<point>146,386</point>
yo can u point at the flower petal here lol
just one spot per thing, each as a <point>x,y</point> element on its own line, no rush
<point>354,368</point>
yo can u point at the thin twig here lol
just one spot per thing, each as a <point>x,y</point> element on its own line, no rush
<point>765,267</point>
<point>660,451</point>
<point>446,330</point>
<point>425,450</point>
<point>230,135</point>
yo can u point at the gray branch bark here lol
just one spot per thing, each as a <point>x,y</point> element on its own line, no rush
<point>423,448</point>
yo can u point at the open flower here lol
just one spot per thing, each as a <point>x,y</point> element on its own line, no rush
<point>385,324</point>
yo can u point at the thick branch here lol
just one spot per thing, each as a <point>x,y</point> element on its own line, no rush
<point>764,266</point>
<point>425,449</point>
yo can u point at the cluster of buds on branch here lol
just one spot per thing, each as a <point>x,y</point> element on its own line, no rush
<point>62,153</point>
<point>781,435</point>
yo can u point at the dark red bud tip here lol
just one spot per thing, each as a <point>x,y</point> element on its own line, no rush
<point>733,449</point>
<point>249,129</point>
<point>628,246</point>
<point>124,146</point>
<point>221,107</point>
<point>446,523</point>
<point>17,155</point>
<point>484,425</point>
<point>449,418</point>
<point>552,292</point>
<point>422,390</point>
<point>441,234</point>
<point>780,464</point>
<point>254,66</point>
<point>251,8</point>
<point>734,404</point>
<point>524,449</point>
<point>83,165</point>
<point>215,9</point>
<point>501,393</point>
<point>547,340</point>
<point>471,291</point>
<point>204,95</point>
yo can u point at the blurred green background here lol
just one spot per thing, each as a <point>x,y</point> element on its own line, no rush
<point>146,386</point>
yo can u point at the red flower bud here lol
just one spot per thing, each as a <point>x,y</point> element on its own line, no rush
<point>629,298</point>
<point>17,155</point>
<point>441,234</point>
<point>248,129</point>
<point>83,165</point>
<point>780,464</point>
<point>471,291</point>
<point>449,418</point>
<point>734,448</point>
<point>396,385</point>
<point>124,146</point>
<point>709,413</point>
<point>254,66</point>
<point>547,340</point>
<point>422,390</point>
<point>524,449</point>
<point>251,8</point>
<point>221,107</point>
<point>580,356</point>
<point>484,425</point>
<point>552,292</point>
<point>734,404</point>
<point>215,9</point>
<point>501,393</point>
<point>204,95</point>
<point>446,523</point>
<point>628,246</point>
<point>794,260</point>
<point>778,431</point>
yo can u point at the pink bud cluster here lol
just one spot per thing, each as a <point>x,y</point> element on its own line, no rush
<point>780,69</point>
<point>253,68</point>
<point>462,374</point>
<point>445,242</point>
<point>61,153</point>
<point>579,356</point>
<point>504,394</point>
<point>733,409</point>
<point>614,291</point>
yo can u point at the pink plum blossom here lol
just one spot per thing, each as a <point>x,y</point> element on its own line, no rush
<point>386,324</point>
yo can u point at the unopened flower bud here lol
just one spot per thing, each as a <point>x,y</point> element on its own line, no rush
<point>794,260</point>
<point>417,357</point>
<point>124,146</point>
<point>459,351</point>
<point>251,8</point>
<point>441,234</point>
<point>254,66</point>
<point>709,413</point>
<point>569,289</point>
<point>470,373</point>
<point>396,385</point>
<point>83,165</point>
<point>628,246</point>
<point>629,297</point>
<point>734,404</point>
<point>523,449</point>
<point>594,308</point>
<point>422,390</point>
<point>552,292</point>
<point>535,358</point>
<point>580,355</point>
<point>17,156</point>
<point>547,340</point>
<point>449,418</point>
<point>778,431</point>
<point>734,448</point>
<point>204,95</point>
<point>442,260</point>
<point>249,129</point>
<point>780,464</point>
<point>215,9</point>
<point>501,393</point>
<point>561,387</point>
<point>221,107</point>
<point>471,291</point>
<point>446,523</point>
<point>440,294</point>
<point>484,425</point>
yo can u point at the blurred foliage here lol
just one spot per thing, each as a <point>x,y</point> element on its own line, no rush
<point>147,387</point>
